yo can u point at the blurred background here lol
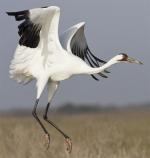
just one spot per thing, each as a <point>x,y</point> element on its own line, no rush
<point>109,118</point>
<point>112,27</point>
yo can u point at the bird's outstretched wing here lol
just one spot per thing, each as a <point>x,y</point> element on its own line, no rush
<point>35,24</point>
<point>74,41</point>
<point>38,26</point>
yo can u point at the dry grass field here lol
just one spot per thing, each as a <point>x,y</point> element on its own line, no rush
<point>103,135</point>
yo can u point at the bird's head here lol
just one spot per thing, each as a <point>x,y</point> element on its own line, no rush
<point>126,59</point>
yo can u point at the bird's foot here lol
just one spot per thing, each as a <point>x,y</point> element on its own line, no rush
<point>68,144</point>
<point>47,140</point>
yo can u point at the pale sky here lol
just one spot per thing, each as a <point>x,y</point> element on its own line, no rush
<point>110,25</point>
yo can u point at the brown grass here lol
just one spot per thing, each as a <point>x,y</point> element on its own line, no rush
<point>107,135</point>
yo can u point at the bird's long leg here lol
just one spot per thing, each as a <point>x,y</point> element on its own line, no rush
<point>50,122</point>
<point>67,138</point>
<point>52,88</point>
<point>34,113</point>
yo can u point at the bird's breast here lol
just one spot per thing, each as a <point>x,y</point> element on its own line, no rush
<point>63,66</point>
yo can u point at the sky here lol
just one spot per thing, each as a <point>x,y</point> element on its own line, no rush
<point>112,27</point>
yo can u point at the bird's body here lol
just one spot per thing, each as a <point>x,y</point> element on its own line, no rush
<point>49,58</point>
<point>57,66</point>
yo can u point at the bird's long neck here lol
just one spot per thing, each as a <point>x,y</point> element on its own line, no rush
<point>91,70</point>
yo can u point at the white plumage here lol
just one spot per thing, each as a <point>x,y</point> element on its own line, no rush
<point>48,58</point>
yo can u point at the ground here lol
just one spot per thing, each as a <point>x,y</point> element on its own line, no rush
<point>100,135</point>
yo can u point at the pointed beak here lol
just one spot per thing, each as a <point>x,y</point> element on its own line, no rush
<point>135,61</point>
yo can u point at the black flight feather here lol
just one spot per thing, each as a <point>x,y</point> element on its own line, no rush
<point>28,31</point>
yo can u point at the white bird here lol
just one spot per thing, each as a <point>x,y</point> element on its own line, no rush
<point>49,58</point>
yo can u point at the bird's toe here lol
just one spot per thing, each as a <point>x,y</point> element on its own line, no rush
<point>47,140</point>
<point>68,144</point>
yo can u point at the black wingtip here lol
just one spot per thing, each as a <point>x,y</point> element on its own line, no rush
<point>7,13</point>
<point>18,13</point>
<point>102,75</point>
<point>95,78</point>
<point>10,13</point>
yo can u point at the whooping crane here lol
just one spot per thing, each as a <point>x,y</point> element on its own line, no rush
<point>49,58</point>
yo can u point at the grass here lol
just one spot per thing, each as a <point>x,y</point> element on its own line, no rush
<point>101,135</point>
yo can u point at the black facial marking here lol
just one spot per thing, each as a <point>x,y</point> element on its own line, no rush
<point>125,57</point>
<point>45,7</point>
